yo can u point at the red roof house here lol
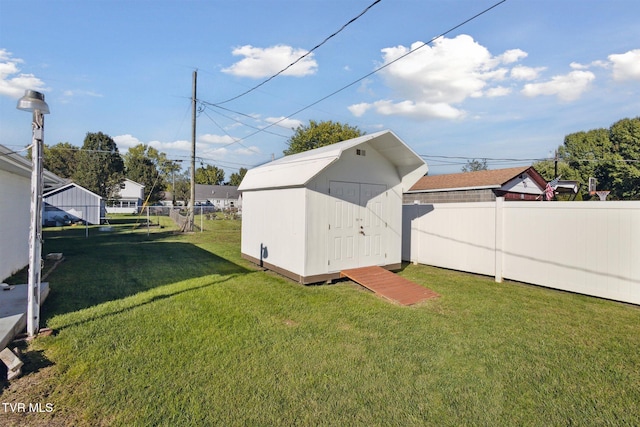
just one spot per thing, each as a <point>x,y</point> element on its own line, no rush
<point>520,183</point>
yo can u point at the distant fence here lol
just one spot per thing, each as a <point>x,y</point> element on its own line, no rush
<point>591,248</point>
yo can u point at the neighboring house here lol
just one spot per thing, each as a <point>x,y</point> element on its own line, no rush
<point>310,215</point>
<point>129,198</point>
<point>221,196</point>
<point>72,203</point>
<point>521,183</point>
<point>15,207</point>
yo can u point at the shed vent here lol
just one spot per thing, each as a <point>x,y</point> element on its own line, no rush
<point>360,152</point>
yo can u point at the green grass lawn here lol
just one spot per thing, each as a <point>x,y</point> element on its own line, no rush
<point>169,329</point>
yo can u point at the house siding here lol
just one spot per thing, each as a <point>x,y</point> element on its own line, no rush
<point>482,195</point>
<point>14,222</point>
<point>74,202</point>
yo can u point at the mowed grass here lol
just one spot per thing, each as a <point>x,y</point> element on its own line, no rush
<point>168,329</point>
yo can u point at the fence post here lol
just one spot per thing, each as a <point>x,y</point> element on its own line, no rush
<point>498,254</point>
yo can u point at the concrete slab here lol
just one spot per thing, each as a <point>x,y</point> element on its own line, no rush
<point>13,309</point>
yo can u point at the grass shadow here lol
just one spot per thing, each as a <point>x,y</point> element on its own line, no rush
<point>114,265</point>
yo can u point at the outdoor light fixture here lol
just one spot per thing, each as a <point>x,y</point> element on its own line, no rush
<point>34,101</point>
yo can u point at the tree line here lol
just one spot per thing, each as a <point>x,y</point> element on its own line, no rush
<point>611,156</point>
<point>99,167</point>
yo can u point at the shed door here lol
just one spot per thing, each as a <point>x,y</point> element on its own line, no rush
<point>357,227</point>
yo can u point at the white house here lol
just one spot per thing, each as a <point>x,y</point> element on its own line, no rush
<point>129,198</point>
<point>15,205</point>
<point>72,203</point>
<point>310,215</point>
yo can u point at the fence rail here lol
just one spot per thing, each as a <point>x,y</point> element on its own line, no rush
<point>590,248</point>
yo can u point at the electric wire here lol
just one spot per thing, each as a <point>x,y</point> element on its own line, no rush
<point>382,67</point>
<point>303,56</point>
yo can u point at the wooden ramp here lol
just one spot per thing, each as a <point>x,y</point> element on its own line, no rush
<point>389,285</point>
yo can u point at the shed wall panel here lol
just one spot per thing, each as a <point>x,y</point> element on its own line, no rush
<point>275,221</point>
<point>77,203</point>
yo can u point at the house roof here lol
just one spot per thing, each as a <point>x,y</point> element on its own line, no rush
<point>206,192</point>
<point>66,187</point>
<point>134,183</point>
<point>13,162</point>
<point>298,169</point>
<point>495,178</point>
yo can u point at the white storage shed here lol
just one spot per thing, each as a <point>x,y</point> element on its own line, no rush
<point>310,215</point>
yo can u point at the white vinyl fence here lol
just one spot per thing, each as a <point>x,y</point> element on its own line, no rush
<point>591,248</point>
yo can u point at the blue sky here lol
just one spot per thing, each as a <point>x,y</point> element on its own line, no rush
<point>507,85</point>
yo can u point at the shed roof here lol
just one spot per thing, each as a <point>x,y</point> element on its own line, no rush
<point>68,186</point>
<point>495,178</point>
<point>298,169</point>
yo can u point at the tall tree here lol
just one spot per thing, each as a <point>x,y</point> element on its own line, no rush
<point>319,134</point>
<point>625,165</point>
<point>60,159</point>
<point>209,175</point>
<point>612,156</point>
<point>99,166</point>
<point>236,178</point>
<point>145,165</point>
<point>475,165</point>
<point>182,187</point>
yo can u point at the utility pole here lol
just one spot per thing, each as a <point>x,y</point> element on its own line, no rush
<point>555,169</point>
<point>194,106</point>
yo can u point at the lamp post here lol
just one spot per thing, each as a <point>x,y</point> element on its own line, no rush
<point>34,101</point>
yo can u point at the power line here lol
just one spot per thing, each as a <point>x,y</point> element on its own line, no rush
<point>375,70</point>
<point>303,56</point>
<point>542,159</point>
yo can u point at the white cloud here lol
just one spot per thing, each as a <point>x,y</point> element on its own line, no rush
<point>568,87</point>
<point>498,91</point>
<point>207,146</point>
<point>248,151</point>
<point>284,122</point>
<point>432,79</point>
<point>264,62</point>
<point>126,141</point>
<point>15,86</point>
<point>413,109</point>
<point>521,72</point>
<point>626,66</point>
<point>209,138</point>
<point>578,66</point>
<point>358,110</point>
<point>512,55</point>
<point>73,93</point>
<point>598,63</point>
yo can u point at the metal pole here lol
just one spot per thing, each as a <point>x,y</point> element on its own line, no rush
<point>192,202</point>
<point>35,230</point>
